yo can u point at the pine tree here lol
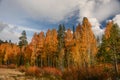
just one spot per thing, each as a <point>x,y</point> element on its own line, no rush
<point>103,53</point>
<point>22,44</point>
<point>73,32</point>
<point>114,45</point>
<point>23,39</point>
<point>73,29</point>
<point>61,34</point>
<point>109,49</point>
<point>61,44</point>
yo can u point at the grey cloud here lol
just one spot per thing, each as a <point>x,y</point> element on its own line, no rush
<point>99,9</point>
<point>48,10</point>
<point>2,26</point>
<point>11,32</point>
<point>57,10</point>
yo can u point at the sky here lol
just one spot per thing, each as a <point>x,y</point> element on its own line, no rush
<point>41,15</point>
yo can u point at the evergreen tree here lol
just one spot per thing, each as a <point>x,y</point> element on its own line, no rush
<point>1,41</point>
<point>114,45</point>
<point>109,50</point>
<point>103,54</point>
<point>73,32</point>
<point>22,44</point>
<point>73,29</point>
<point>61,34</point>
<point>23,39</point>
<point>61,44</point>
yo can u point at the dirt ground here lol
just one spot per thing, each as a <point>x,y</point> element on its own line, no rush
<point>11,74</point>
<point>14,74</point>
<point>4,71</point>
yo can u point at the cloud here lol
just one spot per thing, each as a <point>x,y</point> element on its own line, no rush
<point>55,11</point>
<point>48,10</point>
<point>116,19</point>
<point>96,27</point>
<point>19,12</point>
<point>99,9</point>
<point>11,32</point>
<point>7,32</point>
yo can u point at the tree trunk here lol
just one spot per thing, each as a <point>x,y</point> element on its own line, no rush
<point>115,67</point>
<point>40,61</point>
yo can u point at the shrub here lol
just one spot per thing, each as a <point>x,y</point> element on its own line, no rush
<point>22,69</point>
<point>90,73</point>
<point>70,73</point>
<point>3,66</point>
<point>12,66</point>
<point>33,71</point>
<point>52,71</point>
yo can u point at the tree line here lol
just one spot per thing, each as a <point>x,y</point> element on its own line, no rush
<point>65,48</point>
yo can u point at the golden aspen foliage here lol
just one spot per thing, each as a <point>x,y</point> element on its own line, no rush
<point>68,38</point>
<point>51,44</point>
<point>108,28</point>
<point>9,52</point>
<point>33,47</point>
<point>85,43</point>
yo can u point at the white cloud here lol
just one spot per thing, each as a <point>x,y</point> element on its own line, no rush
<point>28,29</point>
<point>55,11</point>
<point>58,10</point>
<point>99,9</point>
<point>96,27</point>
<point>116,19</point>
<point>48,10</point>
<point>11,32</point>
<point>7,32</point>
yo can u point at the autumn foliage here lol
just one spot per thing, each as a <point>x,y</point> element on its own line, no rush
<point>33,71</point>
<point>108,28</point>
<point>55,48</point>
<point>65,53</point>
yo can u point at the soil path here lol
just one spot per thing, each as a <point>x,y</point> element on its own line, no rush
<point>4,71</point>
<point>11,74</point>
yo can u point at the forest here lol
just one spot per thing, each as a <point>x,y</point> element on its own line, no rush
<point>72,54</point>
